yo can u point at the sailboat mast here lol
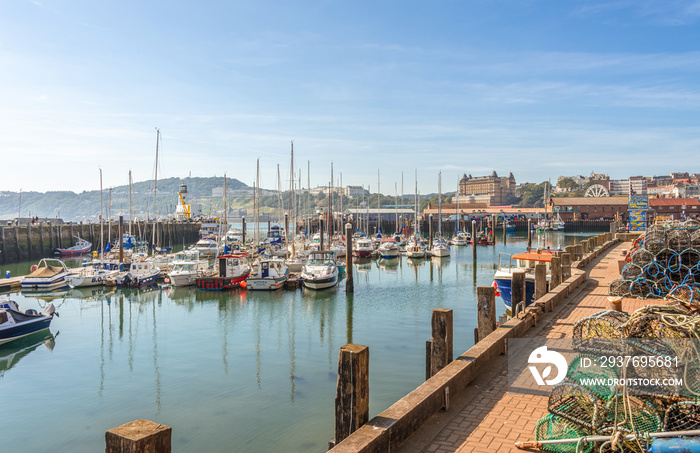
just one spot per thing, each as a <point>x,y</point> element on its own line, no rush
<point>379,226</point>
<point>440,205</point>
<point>257,204</point>
<point>415,203</point>
<point>155,190</point>
<point>396,206</point>
<point>102,244</point>
<point>131,216</point>
<point>330,209</point>
<point>458,218</point>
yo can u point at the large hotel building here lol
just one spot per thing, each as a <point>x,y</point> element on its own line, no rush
<point>490,190</point>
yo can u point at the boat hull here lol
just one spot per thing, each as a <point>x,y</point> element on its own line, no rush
<point>22,329</point>
<point>362,253</point>
<point>504,287</point>
<point>320,283</point>
<point>265,284</point>
<point>219,283</point>
<point>37,284</point>
<point>140,281</point>
<point>72,252</point>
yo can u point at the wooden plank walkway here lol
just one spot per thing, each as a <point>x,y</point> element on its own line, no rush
<point>7,284</point>
<point>485,417</point>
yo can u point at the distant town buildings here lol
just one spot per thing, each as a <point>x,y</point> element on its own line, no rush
<point>675,185</point>
<point>487,190</point>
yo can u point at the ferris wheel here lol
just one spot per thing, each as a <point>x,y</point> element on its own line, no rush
<point>597,190</point>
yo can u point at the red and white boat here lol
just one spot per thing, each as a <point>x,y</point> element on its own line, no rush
<point>81,247</point>
<point>233,269</point>
<point>363,248</point>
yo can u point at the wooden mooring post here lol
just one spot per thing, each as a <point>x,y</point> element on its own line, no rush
<point>139,436</point>
<point>441,343</point>
<point>517,292</point>
<point>352,391</point>
<point>540,280</point>
<point>486,311</point>
<point>529,234</point>
<point>474,241</point>
<point>555,269</point>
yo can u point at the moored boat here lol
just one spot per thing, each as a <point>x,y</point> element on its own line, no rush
<point>440,249</point>
<point>48,275</point>
<point>15,324</point>
<point>81,247</point>
<point>141,273</point>
<point>525,261</point>
<point>185,273</point>
<point>363,248</point>
<point>233,269</point>
<point>388,248</point>
<point>320,270</point>
<point>267,274</point>
<point>90,276</point>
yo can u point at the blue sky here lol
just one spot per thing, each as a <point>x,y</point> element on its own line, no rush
<point>539,88</point>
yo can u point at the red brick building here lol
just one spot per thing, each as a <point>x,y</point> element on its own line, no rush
<point>673,208</point>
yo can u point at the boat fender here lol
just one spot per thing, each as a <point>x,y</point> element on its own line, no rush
<point>33,268</point>
<point>497,293</point>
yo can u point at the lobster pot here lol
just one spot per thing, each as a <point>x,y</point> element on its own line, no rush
<point>632,271</point>
<point>691,259</point>
<point>682,416</point>
<point>619,287</point>
<point>648,322</point>
<point>695,239</point>
<point>632,414</point>
<point>642,257</point>
<point>686,295</point>
<point>577,404</point>
<point>585,368</point>
<point>622,446</point>
<point>600,333</point>
<point>679,240</point>
<point>552,427</point>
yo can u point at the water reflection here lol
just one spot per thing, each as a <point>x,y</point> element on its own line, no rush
<point>11,353</point>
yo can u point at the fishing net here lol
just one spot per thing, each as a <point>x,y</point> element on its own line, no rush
<point>588,369</point>
<point>552,427</point>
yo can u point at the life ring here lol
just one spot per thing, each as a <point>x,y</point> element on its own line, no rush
<point>33,268</point>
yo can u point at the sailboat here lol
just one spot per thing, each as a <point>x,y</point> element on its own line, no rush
<point>439,247</point>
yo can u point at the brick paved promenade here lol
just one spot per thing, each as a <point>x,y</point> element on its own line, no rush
<point>485,417</point>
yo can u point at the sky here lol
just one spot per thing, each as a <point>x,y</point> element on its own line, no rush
<point>537,88</point>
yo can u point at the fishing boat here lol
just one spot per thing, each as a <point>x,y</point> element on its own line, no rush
<point>141,273</point>
<point>48,275</point>
<point>90,276</point>
<point>268,274</point>
<point>320,270</point>
<point>185,272</point>
<point>15,324</point>
<point>233,269</point>
<point>525,261</point>
<point>81,247</point>
<point>363,248</point>
<point>388,249</point>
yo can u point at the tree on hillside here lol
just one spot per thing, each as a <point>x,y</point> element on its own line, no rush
<point>568,183</point>
<point>532,195</point>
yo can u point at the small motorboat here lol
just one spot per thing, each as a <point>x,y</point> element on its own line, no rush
<point>81,247</point>
<point>388,248</point>
<point>48,275</point>
<point>90,276</point>
<point>320,270</point>
<point>363,248</point>
<point>233,269</point>
<point>268,274</point>
<point>141,273</point>
<point>184,273</point>
<point>15,324</point>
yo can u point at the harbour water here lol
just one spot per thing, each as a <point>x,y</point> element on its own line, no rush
<point>235,371</point>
